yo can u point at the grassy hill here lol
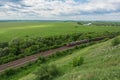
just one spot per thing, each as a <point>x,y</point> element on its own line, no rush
<point>101,62</point>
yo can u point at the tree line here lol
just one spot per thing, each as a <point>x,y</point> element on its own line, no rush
<point>21,47</point>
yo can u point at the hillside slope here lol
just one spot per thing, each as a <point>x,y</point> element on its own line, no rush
<point>101,62</point>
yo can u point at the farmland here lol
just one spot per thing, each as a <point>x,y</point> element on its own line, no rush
<point>11,30</point>
<point>59,39</point>
<point>22,39</point>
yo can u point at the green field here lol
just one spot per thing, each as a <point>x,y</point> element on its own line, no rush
<point>11,30</point>
<point>59,39</point>
<point>101,60</point>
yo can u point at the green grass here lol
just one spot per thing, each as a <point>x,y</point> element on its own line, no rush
<point>11,30</point>
<point>101,62</point>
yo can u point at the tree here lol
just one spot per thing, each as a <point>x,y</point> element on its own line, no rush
<point>3,44</point>
<point>79,23</point>
<point>116,41</point>
<point>1,52</point>
<point>46,72</point>
<point>5,51</point>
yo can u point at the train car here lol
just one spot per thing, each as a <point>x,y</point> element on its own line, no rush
<point>84,41</point>
<point>70,44</point>
<point>77,42</point>
<point>97,39</point>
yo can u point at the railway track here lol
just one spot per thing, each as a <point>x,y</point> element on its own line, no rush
<point>23,61</point>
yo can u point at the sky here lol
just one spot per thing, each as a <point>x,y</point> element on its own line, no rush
<point>59,9</point>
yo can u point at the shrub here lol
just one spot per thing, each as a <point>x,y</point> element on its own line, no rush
<point>58,53</point>
<point>5,51</point>
<point>78,61</point>
<point>115,42</point>
<point>3,44</point>
<point>79,23</point>
<point>31,50</point>
<point>61,53</point>
<point>83,45</point>
<point>46,72</point>
<point>76,26</point>
<point>9,72</point>
<point>41,59</point>
<point>76,47</point>
<point>1,52</point>
<point>13,50</point>
<point>52,56</point>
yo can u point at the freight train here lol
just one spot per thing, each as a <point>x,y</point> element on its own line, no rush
<point>84,41</point>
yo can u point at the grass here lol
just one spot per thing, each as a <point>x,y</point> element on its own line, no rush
<point>11,30</point>
<point>101,62</point>
<point>21,72</point>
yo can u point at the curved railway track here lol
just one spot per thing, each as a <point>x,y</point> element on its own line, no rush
<point>23,61</point>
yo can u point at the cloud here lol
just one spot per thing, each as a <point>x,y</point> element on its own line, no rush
<point>58,9</point>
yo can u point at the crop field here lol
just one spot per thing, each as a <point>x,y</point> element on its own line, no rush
<point>11,30</point>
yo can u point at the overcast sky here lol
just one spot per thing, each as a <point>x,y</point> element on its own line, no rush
<point>60,9</point>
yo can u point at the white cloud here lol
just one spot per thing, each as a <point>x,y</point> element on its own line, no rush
<point>59,9</point>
